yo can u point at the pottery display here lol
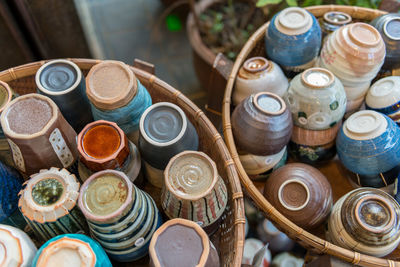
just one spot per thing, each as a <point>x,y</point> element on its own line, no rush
<point>117,95</point>
<point>49,204</point>
<point>103,145</point>
<point>367,143</point>
<point>316,99</point>
<point>63,82</point>
<point>293,29</point>
<point>164,132</point>
<point>388,26</point>
<point>38,134</point>
<point>194,190</point>
<point>366,220</point>
<point>71,250</point>
<point>269,234</point>
<point>259,75</point>
<point>384,97</point>
<point>262,124</point>
<point>121,217</point>
<point>251,247</point>
<point>17,249</point>
<point>184,243</point>
<point>286,259</point>
<point>333,20</point>
<point>301,193</point>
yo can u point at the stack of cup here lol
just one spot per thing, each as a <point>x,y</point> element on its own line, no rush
<point>164,132</point>
<point>317,101</point>
<point>121,217</point>
<point>103,145</point>
<point>354,54</point>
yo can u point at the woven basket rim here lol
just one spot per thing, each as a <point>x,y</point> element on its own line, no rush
<point>285,224</point>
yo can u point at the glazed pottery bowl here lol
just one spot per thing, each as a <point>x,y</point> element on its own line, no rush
<point>366,220</point>
<point>367,143</point>
<point>259,75</point>
<point>293,29</point>
<point>262,124</point>
<point>301,193</point>
<point>316,99</point>
<point>388,25</point>
<point>164,132</point>
<point>332,21</point>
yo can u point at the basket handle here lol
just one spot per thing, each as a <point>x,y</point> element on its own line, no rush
<point>144,65</point>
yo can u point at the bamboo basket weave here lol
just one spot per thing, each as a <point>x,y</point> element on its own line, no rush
<point>229,238</point>
<point>333,171</point>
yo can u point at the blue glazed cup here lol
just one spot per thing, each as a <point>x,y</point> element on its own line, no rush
<point>368,143</point>
<point>293,39</point>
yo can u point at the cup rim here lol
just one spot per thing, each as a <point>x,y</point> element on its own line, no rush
<point>318,70</point>
<point>281,200</point>
<point>9,94</point>
<point>326,18</point>
<point>266,65</point>
<point>385,28</point>
<point>255,97</point>
<point>281,21</point>
<point>359,42</point>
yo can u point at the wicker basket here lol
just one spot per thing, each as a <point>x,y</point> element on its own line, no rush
<point>229,238</point>
<point>333,171</point>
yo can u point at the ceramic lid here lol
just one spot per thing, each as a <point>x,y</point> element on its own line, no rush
<point>191,175</point>
<point>58,77</point>
<point>364,34</point>
<point>49,195</point>
<point>337,18</point>
<point>179,242</point>
<point>293,21</point>
<point>294,194</point>
<point>391,28</point>
<point>269,103</point>
<point>28,116</point>
<point>5,95</point>
<point>103,145</point>
<point>256,64</point>
<point>365,125</point>
<point>67,252</point>
<point>317,78</point>
<point>163,124</point>
<point>105,195</point>
<point>383,93</point>
<point>111,84</point>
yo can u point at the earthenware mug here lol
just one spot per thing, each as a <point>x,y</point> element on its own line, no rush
<point>367,221</point>
<point>301,193</point>
<point>293,29</point>
<point>258,74</point>
<point>63,82</point>
<point>367,143</point>
<point>333,20</point>
<point>262,124</point>
<point>38,134</point>
<point>181,243</point>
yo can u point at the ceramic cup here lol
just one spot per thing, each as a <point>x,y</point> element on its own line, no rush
<point>121,217</point>
<point>71,250</point>
<point>333,20</point>
<point>49,204</point>
<point>293,29</point>
<point>117,95</point>
<point>251,247</point>
<point>164,132</point>
<point>38,134</point>
<point>269,234</point>
<point>17,249</point>
<point>286,259</point>
<point>63,82</point>
<point>384,97</point>
<point>367,143</point>
<point>316,99</point>
<point>301,193</point>
<point>259,75</point>
<point>181,243</point>
<point>194,190</point>
<point>388,25</point>
<point>262,124</point>
<point>103,145</point>
<point>6,95</point>
<point>366,220</point>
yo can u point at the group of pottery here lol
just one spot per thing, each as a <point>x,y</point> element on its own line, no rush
<point>86,184</point>
<point>330,75</point>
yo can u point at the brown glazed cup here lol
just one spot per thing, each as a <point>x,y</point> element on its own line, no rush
<point>301,193</point>
<point>262,124</point>
<point>38,134</point>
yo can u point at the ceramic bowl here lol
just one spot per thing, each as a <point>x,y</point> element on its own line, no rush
<point>76,249</point>
<point>316,99</point>
<point>292,29</point>
<point>366,220</point>
<point>262,124</point>
<point>269,234</point>
<point>388,25</point>
<point>164,132</point>
<point>259,75</point>
<point>251,247</point>
<point>367,143</point>
<point>301,193</point>
<point>333,20</point>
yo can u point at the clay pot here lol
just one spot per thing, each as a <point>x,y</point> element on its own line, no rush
<point>301,193</point>
<point>262,124</point>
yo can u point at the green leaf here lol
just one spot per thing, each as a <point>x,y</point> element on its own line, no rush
<point>311,3</point>
<point>291,2</point>
<point>262,3</point>
<point>217,27</point>
<point>174,23</point>
<point>363,3</point>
